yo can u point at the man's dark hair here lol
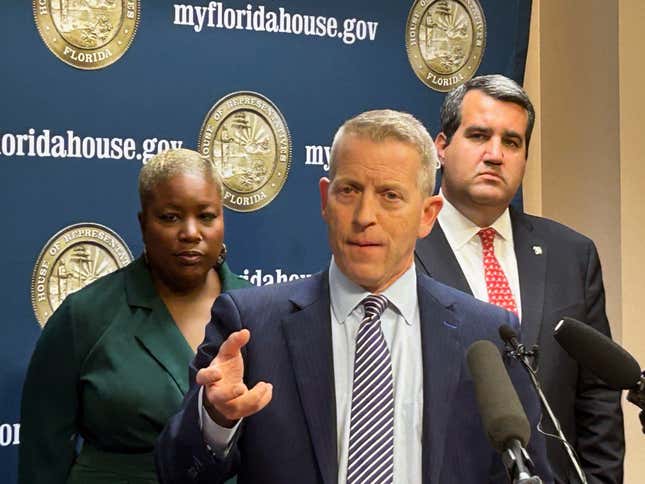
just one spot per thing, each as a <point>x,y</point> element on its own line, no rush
<point>494,85</point>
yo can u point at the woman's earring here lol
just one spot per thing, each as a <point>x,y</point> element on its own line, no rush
<point>221,257</point>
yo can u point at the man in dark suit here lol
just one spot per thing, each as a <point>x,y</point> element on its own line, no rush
<point>358,373</point>
<point>549,270</point>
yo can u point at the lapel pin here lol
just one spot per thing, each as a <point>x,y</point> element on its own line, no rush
<point>537,250</point>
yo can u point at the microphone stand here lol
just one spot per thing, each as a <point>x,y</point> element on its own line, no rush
<point>515,459</point>
<point>517,350</point>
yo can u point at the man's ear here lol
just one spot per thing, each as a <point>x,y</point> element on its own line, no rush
<point>441,143</point>
<point>431,207</point>
<point>323,186</point>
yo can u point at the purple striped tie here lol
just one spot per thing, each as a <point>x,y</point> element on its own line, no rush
<point>371,428</point>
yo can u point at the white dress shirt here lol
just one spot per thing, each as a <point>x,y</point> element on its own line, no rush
<point>402,330</point>
<point>462,237</point>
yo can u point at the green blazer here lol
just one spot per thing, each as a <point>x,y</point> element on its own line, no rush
<point>111,367</point>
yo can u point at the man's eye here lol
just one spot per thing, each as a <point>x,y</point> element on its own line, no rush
<point>346,190</point>
<point>392,196</point>
<point>513,143</point>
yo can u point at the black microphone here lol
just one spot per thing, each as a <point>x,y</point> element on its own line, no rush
<point>603,357</point>
<point>503,417</point>
<point>516,350</point>
<point>598,353</point>
<point>509,335</point>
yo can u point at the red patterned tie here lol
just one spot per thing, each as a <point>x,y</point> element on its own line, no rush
<point>499,292</point>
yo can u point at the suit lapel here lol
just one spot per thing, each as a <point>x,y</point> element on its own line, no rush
<point>531,254</point>
<point>434,255</point>
<point>442,355</point>
<point>308,335</point>
<point>157,332</point>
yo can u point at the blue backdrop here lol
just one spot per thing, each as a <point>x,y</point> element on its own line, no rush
<point>162,89</point>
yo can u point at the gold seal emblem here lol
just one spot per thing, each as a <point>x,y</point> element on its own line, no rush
<point>246,137</point>
<point>87,34</point>
<point>445,40</point>
<point>70,260</point>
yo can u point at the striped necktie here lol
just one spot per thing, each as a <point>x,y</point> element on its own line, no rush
<point>371,428</point>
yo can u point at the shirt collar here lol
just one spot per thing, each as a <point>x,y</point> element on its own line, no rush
<point>346,295</point>
<point>459,230</point>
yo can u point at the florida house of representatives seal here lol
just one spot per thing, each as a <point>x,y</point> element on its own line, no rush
<point>73,258</point>
<point>445,40</point>
<point>247,138</point>
<point>87,34</point>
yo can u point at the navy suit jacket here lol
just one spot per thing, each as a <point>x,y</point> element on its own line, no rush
<point>559,273</point>
<point>293,439</point>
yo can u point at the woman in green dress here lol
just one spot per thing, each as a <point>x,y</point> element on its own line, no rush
<point>111,365</point>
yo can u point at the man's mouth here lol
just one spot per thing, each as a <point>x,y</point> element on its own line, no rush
<point>364,243</point>
<point>491,175</point>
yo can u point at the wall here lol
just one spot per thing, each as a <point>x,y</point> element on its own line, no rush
<point>586,167</point>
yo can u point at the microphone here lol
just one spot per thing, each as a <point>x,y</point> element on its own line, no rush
<point>603,357</point>
<point>516,350</point>
<point>503,417</point>
<point>598,353</point>
<point>509,335</point>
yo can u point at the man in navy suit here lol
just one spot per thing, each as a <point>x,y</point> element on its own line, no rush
<point>278,377</point>
<point>552,270</point>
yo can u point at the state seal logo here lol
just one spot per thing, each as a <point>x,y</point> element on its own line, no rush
<point>247,138</point>
<point>87,34</point>
<point>73,258</point>
<point>445,40</point>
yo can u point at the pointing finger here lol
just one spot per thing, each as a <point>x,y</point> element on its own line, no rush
<point>235,341</point>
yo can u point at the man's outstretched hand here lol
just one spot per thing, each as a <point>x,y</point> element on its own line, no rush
<point>226,397</point>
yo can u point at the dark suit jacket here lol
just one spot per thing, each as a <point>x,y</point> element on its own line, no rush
<point>560,275</point>
<point>293,440</point>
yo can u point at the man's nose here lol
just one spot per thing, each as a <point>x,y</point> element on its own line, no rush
<point>494,151</point>
<point>365,213</point>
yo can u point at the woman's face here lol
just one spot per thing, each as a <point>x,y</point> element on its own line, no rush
<point>183,229</point>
